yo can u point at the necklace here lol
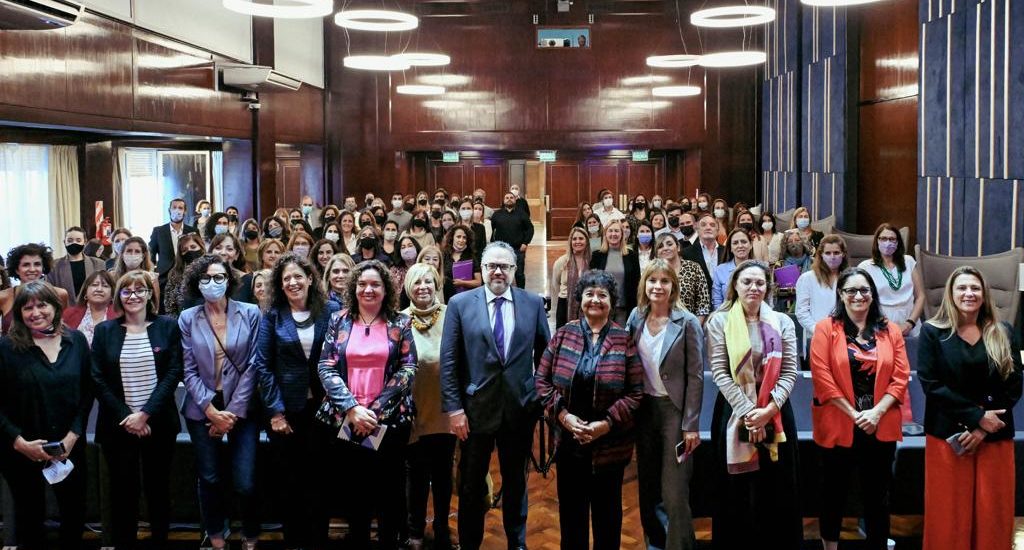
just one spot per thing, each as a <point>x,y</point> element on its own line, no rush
<point>367,325</point>
<point>894,282</point>
<point>308,322</point>
<point>423,324</point>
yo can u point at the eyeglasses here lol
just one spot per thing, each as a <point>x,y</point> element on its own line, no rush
<point>127,293</point>
<point>853,292</point>
<point>218,278</point>
<point>888,240</point>
<point>505,268</point>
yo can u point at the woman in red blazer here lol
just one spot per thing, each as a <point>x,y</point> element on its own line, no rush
<point>860,370</point>
<point>95,304</point>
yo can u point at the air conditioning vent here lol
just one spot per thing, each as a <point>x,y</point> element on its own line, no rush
<point>256,78</point>
<point>28,15</point>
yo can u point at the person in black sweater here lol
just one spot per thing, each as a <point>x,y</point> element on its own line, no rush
<point>512,225</point>
<point>970,369</point>
<point>45,397</point>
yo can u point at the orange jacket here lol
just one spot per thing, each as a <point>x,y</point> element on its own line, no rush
<point>830,373</point>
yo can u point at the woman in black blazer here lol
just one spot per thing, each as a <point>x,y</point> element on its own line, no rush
<point>138,423</point>
<point>620,262</point>
<point>287,352</point>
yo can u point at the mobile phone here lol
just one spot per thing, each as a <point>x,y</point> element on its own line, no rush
<point>681,454</point>
<point>54,448</point>
<point>954,442</point>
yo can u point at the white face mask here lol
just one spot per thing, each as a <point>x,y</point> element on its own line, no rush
<point>767,226</point>
<point>396,204</point>
<point>719,213</point>
<point>301,250</point>
<point>390,235</point>
<point>702,205</point>
<point>515,191</point>
<point>656,204</point>
<point>132,261</point>
<point>465,214</point>
<point>607,202</point>
<point>331,236</point>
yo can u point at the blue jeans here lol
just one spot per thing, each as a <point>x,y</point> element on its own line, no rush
<point>211,463</point>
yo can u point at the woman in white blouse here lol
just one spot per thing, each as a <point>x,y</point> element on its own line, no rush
<point>816,289</point>
<point>900,287</point>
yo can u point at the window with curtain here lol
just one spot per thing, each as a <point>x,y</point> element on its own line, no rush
<point>24,186</point>
<point>152,177</point>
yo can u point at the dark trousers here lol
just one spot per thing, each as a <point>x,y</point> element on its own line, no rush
<point>429,467</point>
<point>296,486</point>
<point>136,464</point>
<point>513,442</point>
<point>241,461</point>
<point>588,496</point>
<point>873,460</point>
<point>28,489</point>
<point>663,483</point>
<point>561,312</point>
<point>520,269</point>
<point>373,486</point>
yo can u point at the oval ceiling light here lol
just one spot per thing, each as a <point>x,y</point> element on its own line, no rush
<point>375,63</point>
<point>675,61</point>
<point>675,91</point>
<point>287,9</point>
<point>732,16</point>
<point>836,3</point>
<point>376,20</point>
<point>423,59</point>
<point>733,59</point>
<point>419,89</point>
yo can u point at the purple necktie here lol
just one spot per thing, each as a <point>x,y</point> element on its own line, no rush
<point>499,328</point>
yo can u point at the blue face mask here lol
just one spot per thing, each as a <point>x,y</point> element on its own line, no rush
<point>213,291</point>
<point>306,209</point>
<point>802,223</point>
<point>645,238</point>
<point>220,229</point>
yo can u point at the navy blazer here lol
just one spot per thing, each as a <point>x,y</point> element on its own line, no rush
<point>284,374</point>
<point>199,346</point>
<point>161,247</point>
<point>107,341</point>
<point>474,378</point>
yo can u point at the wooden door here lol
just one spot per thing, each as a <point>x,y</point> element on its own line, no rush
<point>566,189</point>
<point>644,178</point>
<point>289,182</point>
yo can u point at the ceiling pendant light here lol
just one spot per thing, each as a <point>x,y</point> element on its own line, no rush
<point>836,3</point>
<point>732,59</point>
<point>375,63</point>
<point>376,20</point>
<point>286,9</point>
<point>675,91</point>
<point>419,89</point>
<point>732,16</point>
<point>675,61</point>
<point>423,59</point>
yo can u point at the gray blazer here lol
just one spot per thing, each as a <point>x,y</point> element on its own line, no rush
<point>473,378</point>
<point>681,362</point>
<point>199,346</point>
<point>60,275</point>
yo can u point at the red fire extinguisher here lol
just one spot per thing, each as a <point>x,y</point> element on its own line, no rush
<point>103,232</point>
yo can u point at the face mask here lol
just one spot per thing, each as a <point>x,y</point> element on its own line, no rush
<point>306,209</point>
<point>74,249</point>
<point>767,226</point>
<point>396,204</point>
<point>409,254</point>
<point>645,238</point>
<point>833,262</point>
<point>447,225</point>
<point>802,223</point>
<point>887,248</point>
<point>702,205</point>
<point>685,206</point>
<point>233,218</point>
<point>213,291</point>
<point>368,243</point>
<point>625,234</point>
<point>436,215</point>
<point>747,226</point>
<point>380,219</point>
<point>330,218</point>
<point>607,202</point>
<point>673,221</point>
<point>390,235</point>
<point>795,249</point>
<point>514,191</point>
<point>332,236</point>
<point>275,232</point>
<point>132,261</point>
<point>719,213</point>
<point>419,223</point>
<point>204,212</point>
<point>466,215</point>
<point>177,216</point>
<point>220,230</point>
<point>118,246</point>
<point>687,230</point>
<point>250,234</point>
<point>640,204</point>
<point>191,256</point>
<point>301,250</point>
<point>593,229</point>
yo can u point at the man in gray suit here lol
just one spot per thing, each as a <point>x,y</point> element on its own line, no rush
<point>71,271</point>
<point>493,339</point>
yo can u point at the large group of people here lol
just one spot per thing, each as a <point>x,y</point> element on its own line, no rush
<point>370,341</point>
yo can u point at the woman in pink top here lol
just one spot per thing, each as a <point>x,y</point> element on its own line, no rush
<point>367,368</point>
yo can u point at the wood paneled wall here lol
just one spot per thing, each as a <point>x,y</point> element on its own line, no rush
<point>511,96</point>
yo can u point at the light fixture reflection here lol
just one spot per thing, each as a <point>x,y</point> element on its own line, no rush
<point>641,80</point>
<point>286,9</point>
<point>424,59</point>
<point>836,3</point>
<point>674,61</point>
<point>732,16</point>
<point>650,104</point>
<point>445,80</point>
<point>675,91</point>
<point>375,63</point>
<point>419,89</point>
<point>733,59</point>
<point>376,20</point>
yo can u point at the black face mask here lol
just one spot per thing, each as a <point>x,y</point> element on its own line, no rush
<point>251,234</point>
<point>419,223</point>
<point>673,221</point>
<point>232,218</point>
<point>74,249</point>
<point>687,230</point>
<point>380,219</point>
<point>191,256</point>
<point>686,207</point>
<point>435,215</point>
<point>329,219</point>
<point>368,243</point>
<point>423,202</point>
<point>410,206</point>
<point>746,226</point>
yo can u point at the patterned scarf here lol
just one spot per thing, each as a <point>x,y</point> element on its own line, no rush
<point>742,457</point>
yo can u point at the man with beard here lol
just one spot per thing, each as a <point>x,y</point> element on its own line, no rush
<point>512,225</point>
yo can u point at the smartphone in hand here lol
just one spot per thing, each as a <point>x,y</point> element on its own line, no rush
<point>54,448</point>
<point>681,454</point>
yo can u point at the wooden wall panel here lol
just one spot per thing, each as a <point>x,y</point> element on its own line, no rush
<point>489,177</point>
<point>644,177</point>
<point>298,116</point>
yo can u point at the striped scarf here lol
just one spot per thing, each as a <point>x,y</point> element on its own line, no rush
<point>742,457</point>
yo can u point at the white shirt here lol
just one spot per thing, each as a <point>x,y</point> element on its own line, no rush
<point>608,216</point>
<point>710,256</point>
<point>814,302</point>
<point>508,314</point>
<point>306,335</point>
<point>649,348</point>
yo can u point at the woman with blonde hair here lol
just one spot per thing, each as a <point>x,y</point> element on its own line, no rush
<point>566,272</point>
<point>336,276</point>
<point>432,255</point>
<point>970,369</point>
<point>802,223</point>
<point>616,258</point>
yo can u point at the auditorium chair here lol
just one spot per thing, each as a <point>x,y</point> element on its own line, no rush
<point>858,247</point>
<point>784,219</point>
<point>825,225</point>
<point>1000,271</point>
